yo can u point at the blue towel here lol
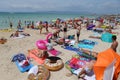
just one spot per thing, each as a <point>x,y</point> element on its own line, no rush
<point>71,48</point>
<point>87,44</point>
<point>23,69</point>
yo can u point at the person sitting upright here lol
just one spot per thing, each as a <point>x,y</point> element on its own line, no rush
<point>114,44</point>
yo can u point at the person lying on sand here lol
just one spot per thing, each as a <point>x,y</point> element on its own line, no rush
<point>3,40</point>
<point>86,69</point>
<point>16,34</point>
<point>92,53</point>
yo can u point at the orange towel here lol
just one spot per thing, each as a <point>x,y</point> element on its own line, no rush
<point>32,54</point>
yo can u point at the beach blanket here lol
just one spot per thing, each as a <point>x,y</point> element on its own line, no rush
<point>87,44</point>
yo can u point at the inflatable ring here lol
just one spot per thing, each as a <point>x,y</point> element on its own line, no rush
<point>53,63</point>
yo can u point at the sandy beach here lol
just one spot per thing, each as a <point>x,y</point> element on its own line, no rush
<point>9,71</point>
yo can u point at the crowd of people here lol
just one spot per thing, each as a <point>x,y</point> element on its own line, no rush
<point>77,24</point>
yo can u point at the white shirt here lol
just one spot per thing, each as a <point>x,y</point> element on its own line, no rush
<point>33,70</point>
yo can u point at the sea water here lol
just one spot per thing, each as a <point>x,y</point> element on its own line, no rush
<point>6,18</point>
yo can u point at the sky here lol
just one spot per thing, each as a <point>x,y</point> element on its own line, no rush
<point>92,6</point>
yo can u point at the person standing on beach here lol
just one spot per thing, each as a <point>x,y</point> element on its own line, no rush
<point>65,29</point>
<point>11,24</point>
<point>40,26</point>
<point>19,24</point>
<point>78,31</point>
<point>114,44</point>
<point>46,26</point>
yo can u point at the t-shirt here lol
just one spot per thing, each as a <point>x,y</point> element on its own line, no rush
<point>33,70</point>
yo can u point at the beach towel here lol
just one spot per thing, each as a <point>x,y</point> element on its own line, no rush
<point>23,69</point>
<point>33,56</point>
<point>19,37</point>
<point>90,27</point>
<point>75,63</point>
<point>54,52</point>
<point>99,30</point>
<point>19,58</point>
<point>106,37</point>
<point>71,48</point>
<point>87,44</point>
<point>85,55</point>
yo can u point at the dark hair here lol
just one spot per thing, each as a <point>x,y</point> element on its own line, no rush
<point>49,41</point>
<point>114,37</point>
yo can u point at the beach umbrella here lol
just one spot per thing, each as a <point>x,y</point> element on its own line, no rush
<point>104,59</point>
